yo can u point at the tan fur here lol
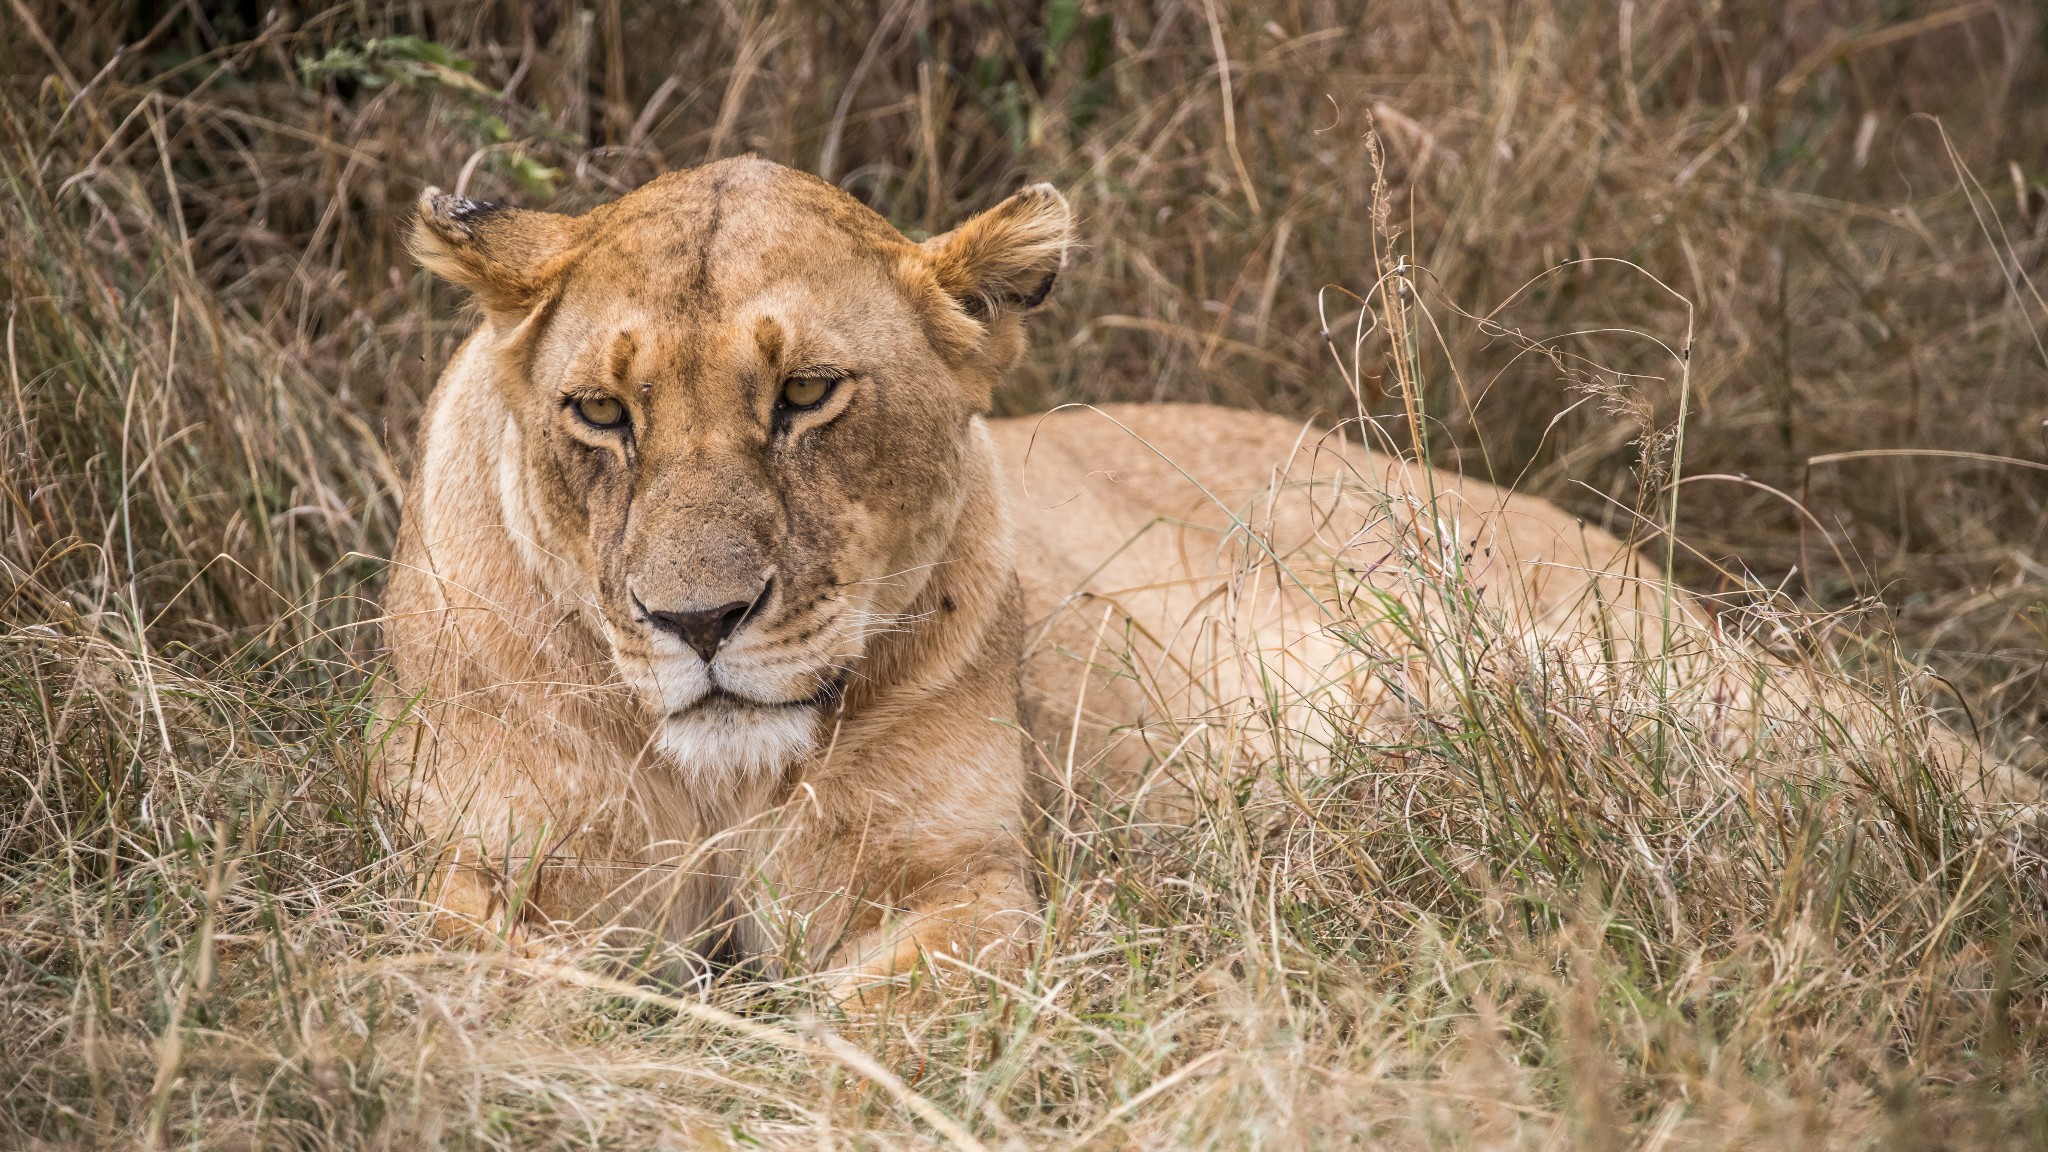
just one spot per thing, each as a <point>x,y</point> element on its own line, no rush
<point>1225,580</point>
<point>857,795</point>
<point>870,807</point>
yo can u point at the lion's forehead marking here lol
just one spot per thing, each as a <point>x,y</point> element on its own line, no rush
<point>702,250</point>
<point>700,284</point>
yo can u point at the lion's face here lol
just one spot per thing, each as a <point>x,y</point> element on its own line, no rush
<point>743,413</point>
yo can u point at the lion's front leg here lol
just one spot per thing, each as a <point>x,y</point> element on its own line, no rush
<point>472,905</point>
<point>981,922</point>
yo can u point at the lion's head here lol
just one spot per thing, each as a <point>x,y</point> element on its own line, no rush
<point>743,410</point>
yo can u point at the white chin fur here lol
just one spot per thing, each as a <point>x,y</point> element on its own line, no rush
<point>719,739</point>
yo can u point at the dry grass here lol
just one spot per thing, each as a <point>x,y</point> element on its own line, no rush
<point>1553,912</point>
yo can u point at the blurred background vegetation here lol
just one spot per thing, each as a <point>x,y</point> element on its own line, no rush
<point>1849,192</point>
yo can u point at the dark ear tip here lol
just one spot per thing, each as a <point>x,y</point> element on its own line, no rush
<point>451,214</point>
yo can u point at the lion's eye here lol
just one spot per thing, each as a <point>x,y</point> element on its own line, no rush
<point>600,411</point>
<point>806,392</point>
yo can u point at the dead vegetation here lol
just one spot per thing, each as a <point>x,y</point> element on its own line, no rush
<point>1550,913</point>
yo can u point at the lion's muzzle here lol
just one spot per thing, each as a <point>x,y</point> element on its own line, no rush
<point>705,630</point>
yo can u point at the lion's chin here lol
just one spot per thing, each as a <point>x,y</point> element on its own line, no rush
<point>725,737</point>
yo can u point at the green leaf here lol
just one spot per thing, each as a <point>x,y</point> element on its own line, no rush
<point>537,178</point>
<point>406,60</point>
<point>1061,17</point>
<point>1100,39</point>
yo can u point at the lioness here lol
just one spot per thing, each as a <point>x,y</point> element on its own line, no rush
<point>715,582</point>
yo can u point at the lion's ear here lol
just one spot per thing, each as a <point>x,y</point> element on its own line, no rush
<point>504,256</point>
<point>1006,259</point>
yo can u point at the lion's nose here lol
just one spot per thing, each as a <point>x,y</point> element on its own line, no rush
<point>706,629</point>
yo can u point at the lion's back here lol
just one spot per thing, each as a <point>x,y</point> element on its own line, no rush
<point>1179,561</point>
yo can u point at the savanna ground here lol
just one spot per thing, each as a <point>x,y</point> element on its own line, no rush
<point>1554,913</point>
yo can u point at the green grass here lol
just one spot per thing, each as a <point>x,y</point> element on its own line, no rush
<point>1546,909</point>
